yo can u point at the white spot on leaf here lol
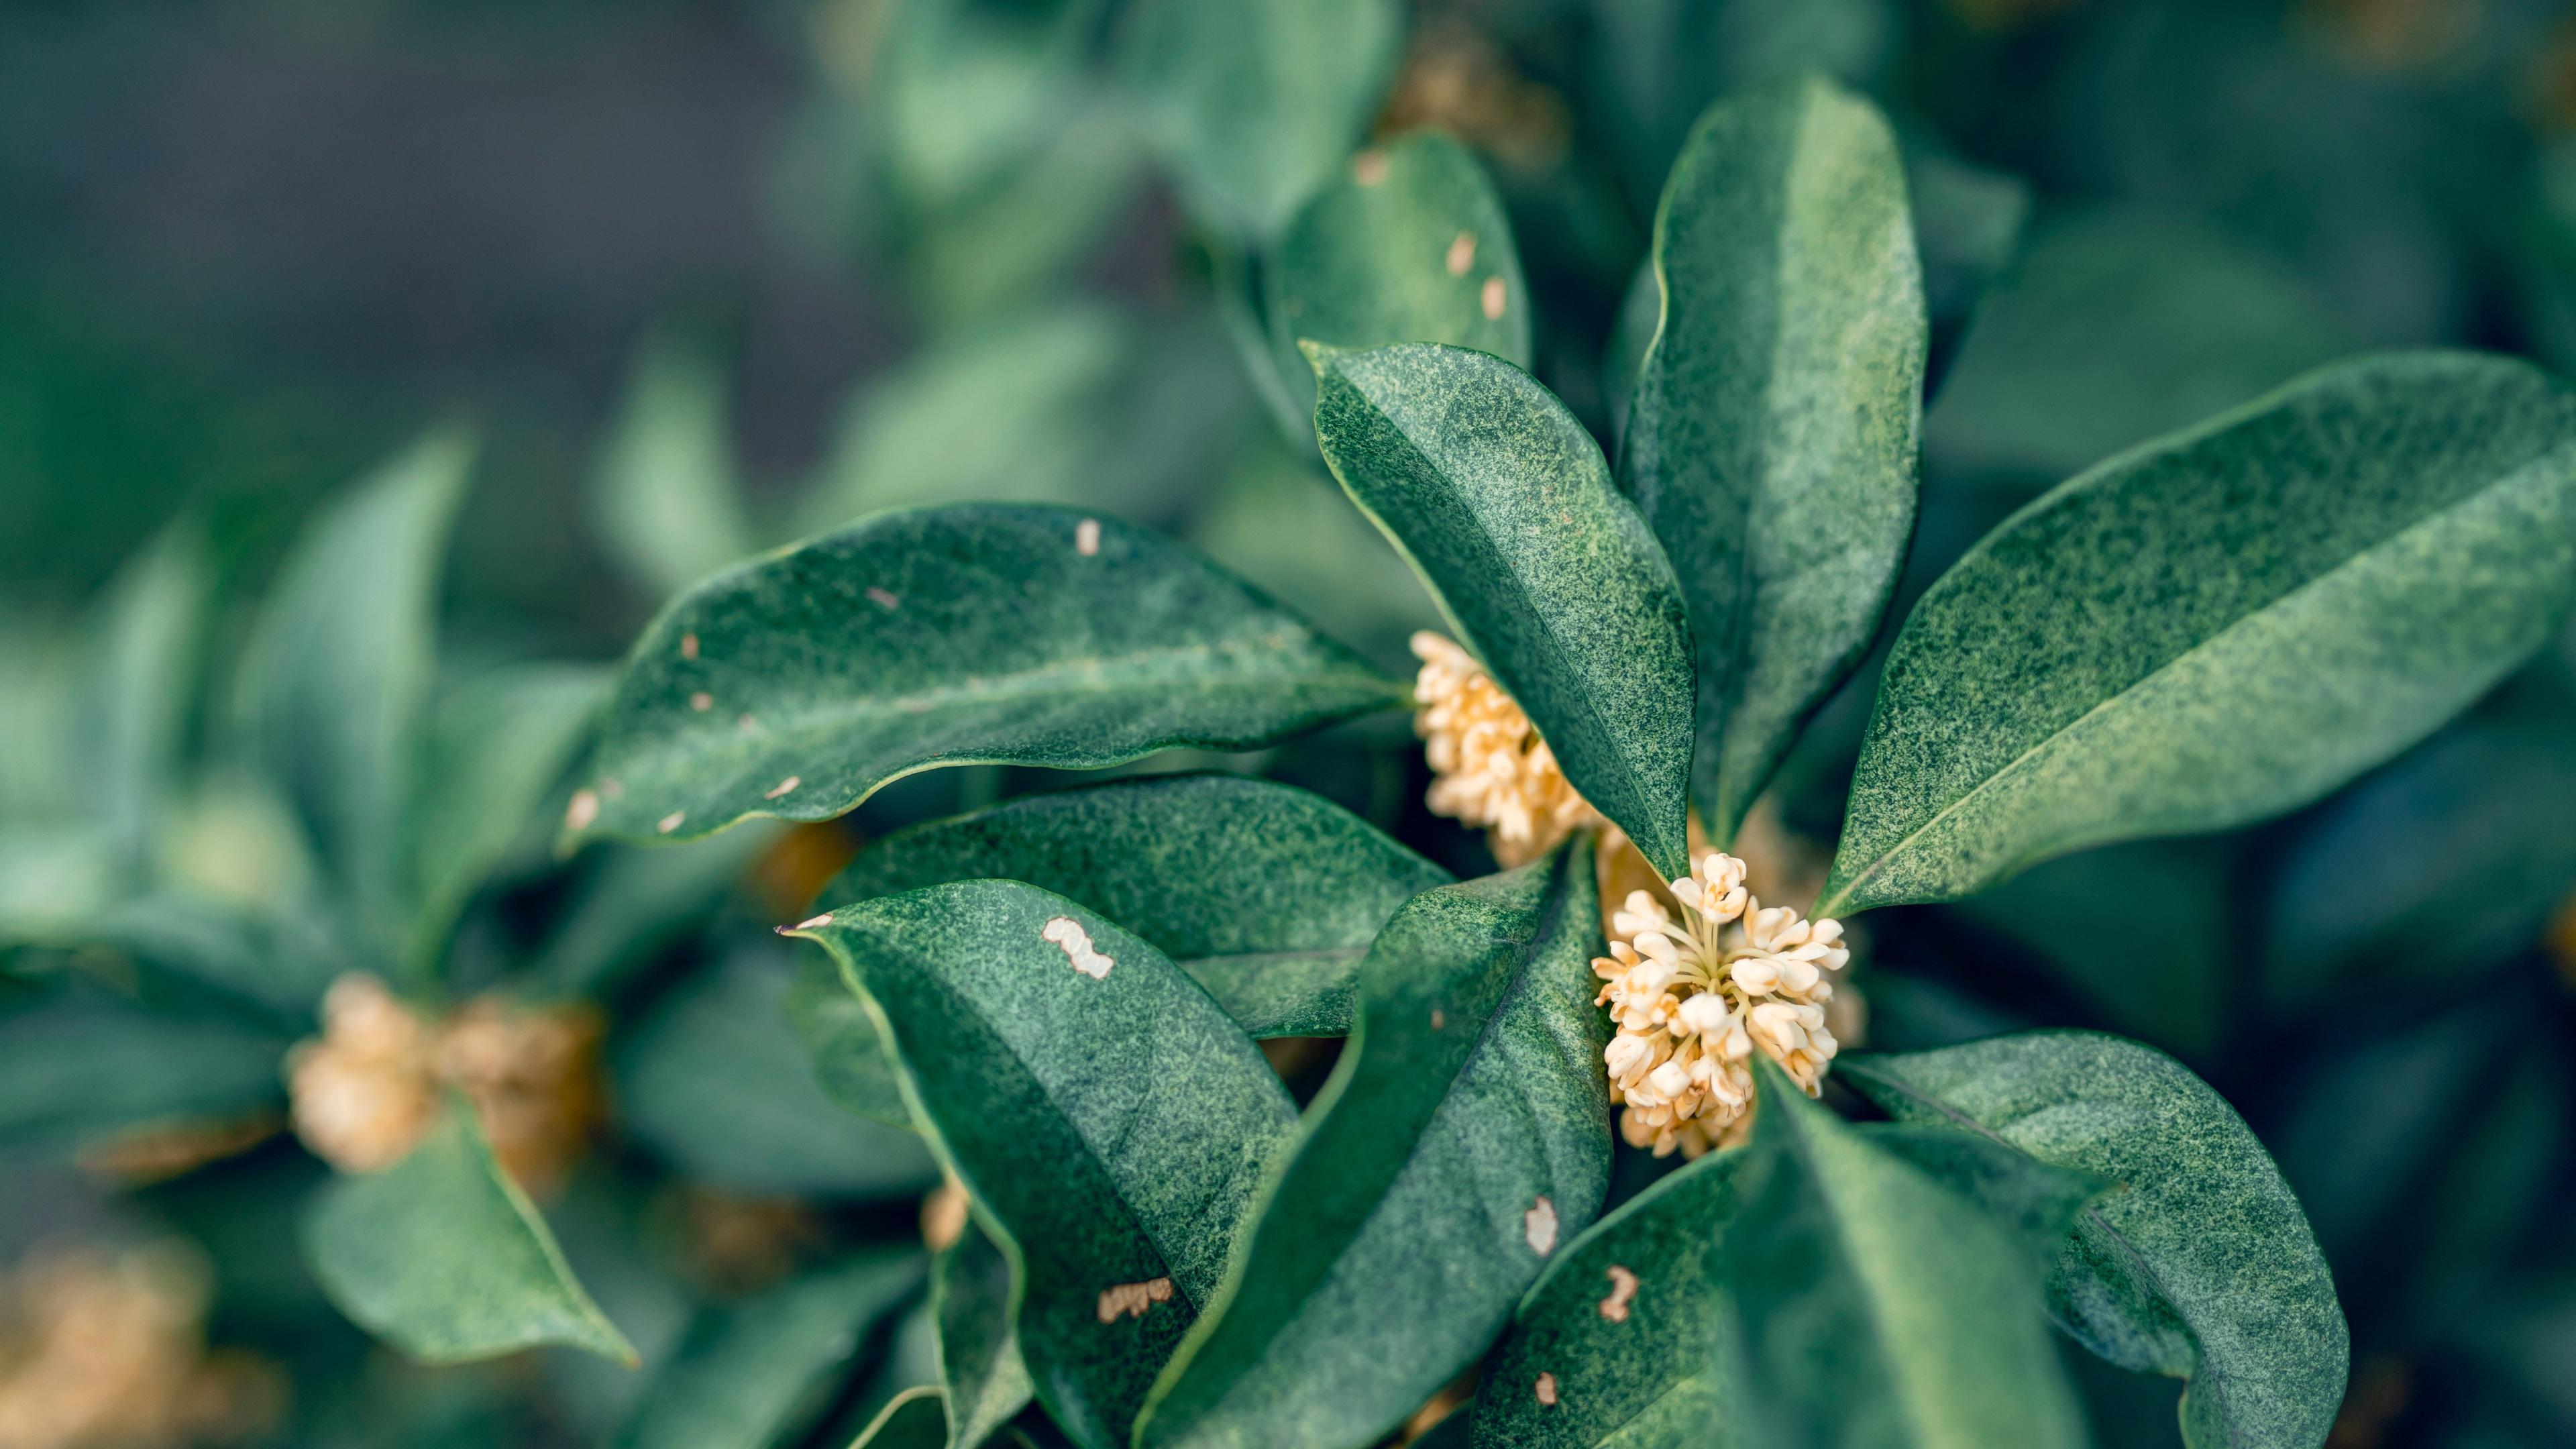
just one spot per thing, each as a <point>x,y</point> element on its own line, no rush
<point>688,646</point>
<point>782,787</point>
<point>671,821</point>
<point>1369,167</point>
<point>810,922</point>
<point>1132,1300</point>
<point>583,810</point>
<point>702,701</point>
<point>1623,1288</point>
<point>1086,537</point>
<point>1493,299</point>
<point>882,599</point>
<point>1439,1018</point>
<point>1462,254</point>
<point>1547,1390</point>
<point>1067,932</point>
<point>1538,1225</point>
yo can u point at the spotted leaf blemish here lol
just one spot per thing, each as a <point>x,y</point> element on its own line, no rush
<point>671,821</point>
<point>782,787</point>
<point>1369,167</point>
<point>1086,537</point>
<point>1493,299</point>
<point>1133,1300</point>
<point>582,811</point>
<point>1462,254</point>
<point>702,701</point>
<point>688,646</point>
<point>1547,1390</point>
<point>1538,1225</point>
<point>1623,1290</point>
<point>1067,932</point>
<point>882,599</point>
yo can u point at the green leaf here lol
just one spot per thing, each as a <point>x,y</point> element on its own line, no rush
<point>979,1354</point>
<point>442,1256</point>
<point>840,1037</point>
<point>917,1418</point>
<point>1268,895</point>
<point>2202,1268</point>
<point>1771,439</point>
<point>630,904</point>
<point>752,1374</point>
<point>338,672</point>
<point>2219,626</point>
<point>1463,1132</point>
<point>664,491</point>
<point>1253,102</point>
<point>714,1080</point>
<point>979,633</point>
<point>1874,1306</point>
<point>136,679</point>
<point>81,1066</point>
<point>1648,1366</point>
<point>2113,329</point>
<point>276,964</point>
<point>496,747</point>
<point>1501,501</point>
<point>1156,1117</point>
<point>2038,1203</point>
<point>1406,246</point>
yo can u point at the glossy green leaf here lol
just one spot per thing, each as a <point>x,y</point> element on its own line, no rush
<point>2219,626</point>
<point>1268,895</point>
<point>753,1374</point>
<point>986,1382</point>
<point>338,673</point>
<point>1644,1361</point>
<point>714,1080</point>
<point>1030,1030</point>
<point>1409,244</point>
<point>1253,102</point>
<point>2037,1202</point>
<point>1501,501</point>
<point>664,489</point>
<point>496,746</point>
<point>1771,439</point>
<point>2115,328</point>
<point>1464,1132</point>
<point>2203,1267</point>
<point>1874,1306</point>
<point>442,1256</point>
<point>797,685</point>
<point>917,1418</point>
<point>82,1066</point>
<point>850,1062</point>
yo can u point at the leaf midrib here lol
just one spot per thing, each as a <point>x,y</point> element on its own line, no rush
<point>2429,517</point>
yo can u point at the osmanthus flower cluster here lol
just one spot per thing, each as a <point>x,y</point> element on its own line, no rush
<point>106,1349</point>
<point>1489,766</point>
<point>1693,999</point>
<point>369,1088</point>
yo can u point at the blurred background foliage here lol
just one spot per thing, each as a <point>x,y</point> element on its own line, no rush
<point>703,278</point>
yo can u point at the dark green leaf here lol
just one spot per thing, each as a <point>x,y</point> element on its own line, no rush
<point>277,964</point>
<point>2038,1203</point>
<point>1874,1306</point>
<point>715,1081</point>
<point>2219,626</point>
<point>752,1374</point>
<point>338,673</point>
<point>632,904</point>
<point>1771,440</point>
<point>83,1066</point>
<point>2114,329</point>
<point>1253,102</point>
<point>496,747</point>
<point>664,492</point>
<point>979,1355</point>
<point>917,1418</point>
<point>1502,503</point>
<point>1269,896</point>
<point>797,685</point>
<point>1408,245</point>
<point>841,1038</point>
<point>2202,1268</point>
<point>442,1256</point>
<point>1465,1129</point>
<point>1155,1117</point>
<point>1640,1361</point>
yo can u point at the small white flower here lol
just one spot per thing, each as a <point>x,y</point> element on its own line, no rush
<point>1489,766</point>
